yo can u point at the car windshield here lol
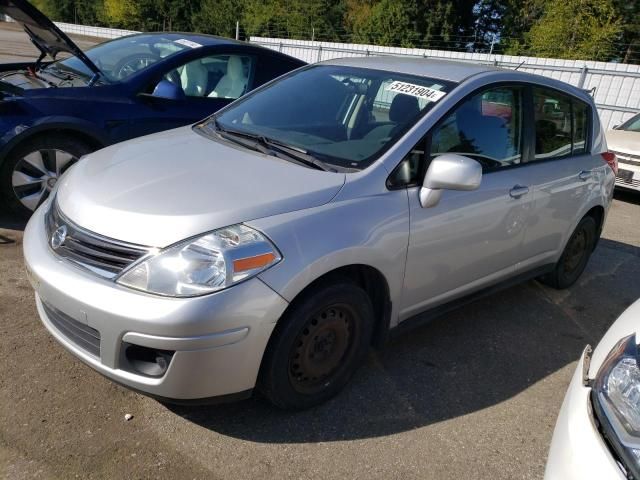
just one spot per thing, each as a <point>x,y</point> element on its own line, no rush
<point>631,125</point>
<point>341,115</point>
<point>122,57</point>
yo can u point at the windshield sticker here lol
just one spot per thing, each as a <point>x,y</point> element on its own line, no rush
<point>416,91</point>
<point>187,43</point>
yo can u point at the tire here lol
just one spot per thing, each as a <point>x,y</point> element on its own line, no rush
<point>31,169</point>
<point>575,256</point>
<point>317,346</point>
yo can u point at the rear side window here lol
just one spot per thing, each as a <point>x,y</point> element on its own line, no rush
<point>580,127</point>
<point>486,127</point>
<point>561,125</point>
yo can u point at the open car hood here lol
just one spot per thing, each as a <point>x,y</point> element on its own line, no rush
<point>44,34</point>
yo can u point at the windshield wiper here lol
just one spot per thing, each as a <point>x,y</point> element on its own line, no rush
<point>296,154</point>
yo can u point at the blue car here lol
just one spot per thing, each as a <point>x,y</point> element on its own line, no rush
<point>52,113</point>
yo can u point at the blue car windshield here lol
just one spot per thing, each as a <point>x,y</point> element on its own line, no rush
<point>341,115</point>
<point>120,58</point>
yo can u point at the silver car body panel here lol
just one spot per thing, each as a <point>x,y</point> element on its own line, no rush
<point>160,189</point>
<point>183,184</point>
<point>213,343</point>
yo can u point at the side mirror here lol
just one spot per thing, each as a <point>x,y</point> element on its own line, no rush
<point>166,90</point>
<point>615,127</point>
<point>449,172</point>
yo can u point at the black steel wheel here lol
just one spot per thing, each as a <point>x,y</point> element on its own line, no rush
<point>317,345</point>
<point>575,256</point>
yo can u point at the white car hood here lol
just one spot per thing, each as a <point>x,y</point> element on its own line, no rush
<point>624,141</point>
<point>628,323</point>
<point>166,187</point>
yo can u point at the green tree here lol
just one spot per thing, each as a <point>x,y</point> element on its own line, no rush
<point>218,17</point>
<point>320,19</point>
<point>578,29</point>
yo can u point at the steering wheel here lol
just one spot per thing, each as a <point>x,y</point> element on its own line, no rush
<point>131,64</point>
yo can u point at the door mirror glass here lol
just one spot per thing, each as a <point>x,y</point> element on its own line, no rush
<point>449,172</point>
<point>168,90</point>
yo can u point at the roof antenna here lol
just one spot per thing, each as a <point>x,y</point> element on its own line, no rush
<point>523,62</point>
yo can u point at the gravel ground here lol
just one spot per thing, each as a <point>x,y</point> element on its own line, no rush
<point>472,395</point>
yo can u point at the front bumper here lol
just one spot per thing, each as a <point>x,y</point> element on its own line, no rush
<point>578,450</point>
<point>218,339</point>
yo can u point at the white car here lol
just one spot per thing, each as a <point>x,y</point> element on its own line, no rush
<point>624,141</point>
<point>597,435</point>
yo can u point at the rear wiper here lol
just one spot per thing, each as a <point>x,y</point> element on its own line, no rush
<point>296,154</point>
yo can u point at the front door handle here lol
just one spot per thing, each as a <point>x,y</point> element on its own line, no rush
<point>518,191</point>
<point>585,175</point>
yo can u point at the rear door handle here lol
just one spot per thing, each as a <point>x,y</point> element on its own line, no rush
<point>585,175</point>
<point>518,191</point>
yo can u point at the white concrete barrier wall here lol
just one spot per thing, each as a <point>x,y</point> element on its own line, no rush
<point>617,86</point>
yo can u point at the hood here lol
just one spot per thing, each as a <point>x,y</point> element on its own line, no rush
<point>166,187</point>
<point>49,39</point>
<point>624,141</point>
<point>625,325</point>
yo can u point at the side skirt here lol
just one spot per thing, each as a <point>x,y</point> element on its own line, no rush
<point>428,315</point>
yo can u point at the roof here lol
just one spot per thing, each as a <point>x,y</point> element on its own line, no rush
<point>450,70</point>
<point>200,38</point>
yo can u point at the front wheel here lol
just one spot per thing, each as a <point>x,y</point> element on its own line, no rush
<point>317,346</point>
<point>575,256</point>
<point>32,169</point>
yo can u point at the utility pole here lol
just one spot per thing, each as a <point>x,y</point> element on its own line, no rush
<point>237,30</point>
<point>493,42</point>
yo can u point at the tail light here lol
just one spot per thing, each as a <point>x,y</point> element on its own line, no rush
<point>611,160</point>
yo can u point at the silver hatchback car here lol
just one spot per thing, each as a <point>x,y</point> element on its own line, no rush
<point>273,243</point>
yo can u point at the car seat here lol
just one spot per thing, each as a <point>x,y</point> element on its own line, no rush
<point>234,83</point>
<point>194,78</point>
<point>403,109</point>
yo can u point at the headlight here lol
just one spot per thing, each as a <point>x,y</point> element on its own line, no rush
<point>616,398</point>
<point>203,264</point>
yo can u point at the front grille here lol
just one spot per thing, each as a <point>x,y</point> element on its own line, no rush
<point>103,256</point>
<point>83,336</point>
<point>628,158</point>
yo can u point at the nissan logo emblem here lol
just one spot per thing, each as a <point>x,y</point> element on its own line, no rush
<point>58,237</point>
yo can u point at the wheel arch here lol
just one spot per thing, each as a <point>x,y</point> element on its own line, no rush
<point>598,214</point>
<point>82,132</point>
<point>375,285</point>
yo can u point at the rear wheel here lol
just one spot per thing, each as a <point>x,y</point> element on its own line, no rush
<point>575,256</point>
<point>32,169</point>
<point>317,346</point>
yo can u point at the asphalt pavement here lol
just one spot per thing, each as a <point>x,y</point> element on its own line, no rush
<point>472,395</point>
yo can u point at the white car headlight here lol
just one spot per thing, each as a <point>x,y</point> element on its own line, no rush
<point>203,264</point>
<point>616,400</point>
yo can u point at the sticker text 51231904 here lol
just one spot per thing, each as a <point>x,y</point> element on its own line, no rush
<point>416,91</point>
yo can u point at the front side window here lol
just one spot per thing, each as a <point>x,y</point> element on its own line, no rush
<point>215,76</point>
<point>486,127</point>
<point>342,115</point>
